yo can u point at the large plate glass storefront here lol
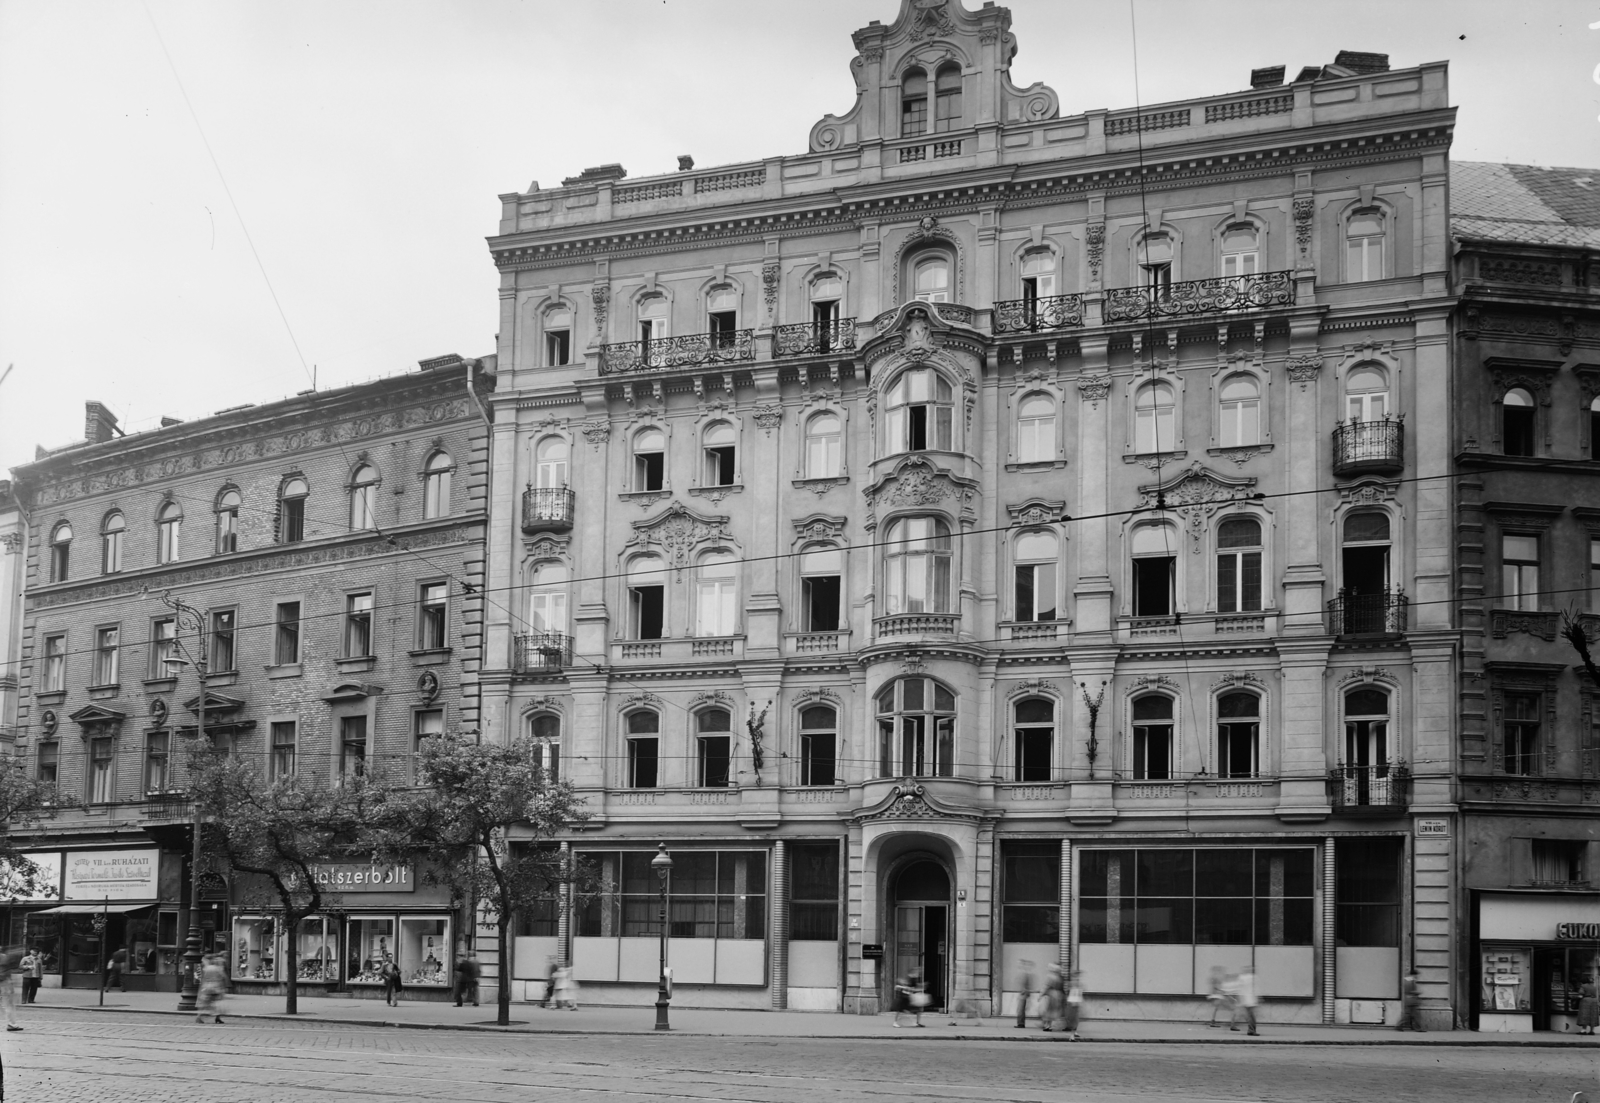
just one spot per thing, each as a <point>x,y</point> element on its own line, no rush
<point>418,944</point>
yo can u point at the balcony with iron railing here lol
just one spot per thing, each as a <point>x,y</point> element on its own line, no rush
<point>815,338</point>
<point>1379,614</point>
<point>692,350</point>
<point>543,653</point>
<point>1038,314</point>
<point>1369,446</point>
<point>1382,790</point>
<point>1197,298</point>
<point>547,509</point>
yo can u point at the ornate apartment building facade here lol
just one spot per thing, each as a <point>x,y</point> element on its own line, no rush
<point>992,536</point>
<point>327,554</point>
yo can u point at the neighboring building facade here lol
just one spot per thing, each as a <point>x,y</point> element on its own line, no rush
<point>1527,429</point>
<point>13,554</point>
<point>978,540</point>
<point>328,543</point>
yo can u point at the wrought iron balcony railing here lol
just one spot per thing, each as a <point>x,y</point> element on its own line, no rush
<point>693,350</point>
<point>547,509</point>
<point>1369,446</point>
<point>166,806</point>
<point>815,338</point>
<point>543,653</point>
<point>1381,614</point>
<point>1221,295</point>
<point>1378,789</point>
<point>1039,313</point>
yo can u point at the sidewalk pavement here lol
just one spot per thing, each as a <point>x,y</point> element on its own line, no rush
<point>531,1018</point>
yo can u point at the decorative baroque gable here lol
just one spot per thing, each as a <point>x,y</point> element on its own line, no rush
<point>1197,493</point>
<point>678,531</point>
<point>917,482</point>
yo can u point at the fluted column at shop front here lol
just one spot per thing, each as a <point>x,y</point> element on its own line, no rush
<point>780,927</point>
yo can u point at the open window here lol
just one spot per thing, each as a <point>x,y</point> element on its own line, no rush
<point>557,337</point>
<point>714,738</point>
<point>722,316</point>
<point>545,730</point>
<point>1155,567</point>
<point>827,291</point>
<point>1238,735</point>
<point>652,325</point>
<point>819,741</point>
<point>1152,738</point>
<point>1239,565</point>
<point>1517,417</point>
<point>644,743</point>
<point>1035,737</point>
<point>916,729</point>
<point>649,459</point>
<point>1036,554</point>
<point>718,442</point>
<point>1154,256</point>
<point>821,587</point>
<point>1038,277</point>
<point>1366,562</point>
<point>647,594</point>
<point>921,413</point>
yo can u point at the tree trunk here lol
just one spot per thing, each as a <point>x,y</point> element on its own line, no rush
<point>291,1002</point>
<point>502,996</point>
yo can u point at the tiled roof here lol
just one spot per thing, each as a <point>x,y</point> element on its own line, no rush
<point>1525,203</point>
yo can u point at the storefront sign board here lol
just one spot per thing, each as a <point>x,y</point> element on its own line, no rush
<point>1578,932</point>
<point>110,875</point>
<point>356,877</point>
<point>872,949</point>
<point>1510,917</point>
<point>46,882</point>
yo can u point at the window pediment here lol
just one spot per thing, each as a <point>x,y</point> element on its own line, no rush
<point>915,482</point>
<point>678,531</point>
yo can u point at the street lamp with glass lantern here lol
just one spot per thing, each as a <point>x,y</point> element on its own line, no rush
<point>662,864</point>
<point>189,995</point>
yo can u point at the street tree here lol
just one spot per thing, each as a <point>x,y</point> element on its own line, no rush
<point>275,831</point>
<point>25,802</point>
<point>473,798</point>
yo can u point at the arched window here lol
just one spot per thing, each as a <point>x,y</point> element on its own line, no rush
<point>916,729</point>
<point>1038,275</point>
<point>1366,573</point>
<point>819,742</point>
<point>914,103</point>
<point>1155,570</point>
<point>917,566</point>
<point>292,511</point>
<point>557,337</point>
<point>717,441</point>
<point>1036,429</point>
<point>1517,417</point>
<point>714,750</point>
<point>644,749</point>
<point>1239,255</point>
<point>716,595</point>
<point>545,731</point>
<point>1036,553</point>
<point>1366,778</point>
<point>1366,393</point>
<point>550,464</point>
<point>1153,744</point>
<point>947,98</point>
<point>1241,411</point>
<point>1238,735</point>
<point>1035,735</point>
<point>1594,428</point>
<point>647,591</point>
<point>722,316</point>
<point>649,459</point>
<point>60,551</point>
<point>169,524</point>
<point>1239,565</point>
<point>228,521</point>
<point>436,485</point>
<point>1364,246</point>
<point>547,600</point>
<point>930,279</point>
<point>1155,426</point>
<point>1154,255</point>
<point>112,530</point>
<point>821,578</point>
<point>826,292</point>
<point>364,499</point>
<point>921,413</point>
<point>824,446</point>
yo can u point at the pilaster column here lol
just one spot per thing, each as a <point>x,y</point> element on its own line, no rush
<point>1330,953</point>
<point>564,911</point>
<point>780,927</point>
<point>1064,892</point>
<point>1307,446</point>
<point>1093,614</point>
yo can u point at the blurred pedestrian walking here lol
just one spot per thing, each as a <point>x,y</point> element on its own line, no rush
<point>1221,999</point>
<point>1025,982</point>
<point>1245,994</point>
<point>213,986</point>
<point>1074,1005</point>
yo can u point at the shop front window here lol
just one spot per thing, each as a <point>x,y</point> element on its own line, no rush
<point>1507,979</point>
<point>316,944</point>
<point>255,949</point>
<point>370,944</point>
<point>143,955</point>
<point>425,950</point>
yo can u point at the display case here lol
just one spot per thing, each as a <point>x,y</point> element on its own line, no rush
<point>255,948</point>
<point>1507,979</point>
<point>143,956</point>
<point>368,942</point>
<point>425,950</point>
<point>317,947</point>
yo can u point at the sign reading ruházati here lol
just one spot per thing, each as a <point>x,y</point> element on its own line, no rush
<point>110,875</point>
<point>361,877</point>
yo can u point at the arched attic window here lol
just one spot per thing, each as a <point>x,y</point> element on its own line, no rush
<point>947,98</point>
<point>914,103</point>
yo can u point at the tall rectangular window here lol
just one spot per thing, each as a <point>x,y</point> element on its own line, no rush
<point>286,640</point>
<point>1521,734</point>
<point>157,762</point>
<point>557,347</point>
<point>352,746</point>
<point>642,759</point>
<point>1367,891</point>
<point>431,615</point>
<point>814,892</point>
<point>1152,585</point>
<point>163,648</point>
<point>106,665</point>
<point>283,749</point>
<point>1519,571</point>
<point>1594,576</point>
<point>223,622</point>
<point>1031,892</point>
<point>55,663</point>
<point>426,724</point>
<point>1152,738</point>
<point>819,741</point>
<point>49,763</point>
<point>715,747</point>
<point>102,770</point>
<point>358,626</point>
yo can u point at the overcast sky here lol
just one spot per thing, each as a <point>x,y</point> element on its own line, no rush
<point>364,143</point>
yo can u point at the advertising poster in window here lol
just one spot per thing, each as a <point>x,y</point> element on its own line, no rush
<point>110,875</point>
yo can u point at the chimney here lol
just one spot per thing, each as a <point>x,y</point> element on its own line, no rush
<point>685,162</point>
<point>99,423</point>
<point>1358,61</point>
<point>1269,77</point>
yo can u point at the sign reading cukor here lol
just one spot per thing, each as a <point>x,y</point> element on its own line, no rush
<point>110,875</point>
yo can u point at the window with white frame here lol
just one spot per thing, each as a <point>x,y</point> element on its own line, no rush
<point>1238,735</point>
<point>1036,429</point>
<point>60,551</point>
<point>916,729</point>
<point>55,663</point>
<point>358,626</point>
<point>1366,728</point>
<point>547,600</point>
<point>1038,275</point>
<point>169,526</point>
<point>1520,734</point>
<point>649,459</point>
<point>1363,235</point>
<point>550,457</point>
<point>718,444</point>
<point>716,594</point>
<point>913,103</point>
<point>652,319</point>
<point>1366,393</point>
<point>283,749</point>
<point>157,762</point>
<point>1519,571</point>
<point>286,633</point>
<point>647,590</point>
<point>1517,418</point>
<point>163,647</point>
<point>824,443</point>
<point>1036,554</point>
<point>1153,743</point>
<point>827,291</point>
<point>947,98</point>
<point>352,746</point>
<point>228,505</point>
<point>1035,736</point>
<point>930,279</point>
<point>1239,565</point>
<point>1155,417</point>
<point>426,724</point>
<point>433,615</point>
<point>102,770</point>
<point>1240,410</point>
<point>821,589</point>
<point>292,511</point>
<point>1239,250</point>
<point>714,747</point>
<point>1154,255</point>
<point>112,531</point>
<point>819,741</point>
<point>545,730</point>
<point>921,413</point>
<point>1155,569</point>
<point>364,498</point>
<point>722,316</point>
<point>107,666</point>
<point>436,485</point>
<point>224,625</point>
<point>916,563</point>
<point>644,754</point>
<point>557,337</point>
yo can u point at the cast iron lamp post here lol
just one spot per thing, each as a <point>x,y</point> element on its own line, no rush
<point>662,864</point>
<point>188,997</point>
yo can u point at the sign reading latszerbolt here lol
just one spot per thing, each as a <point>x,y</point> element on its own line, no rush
<point>361,877</point>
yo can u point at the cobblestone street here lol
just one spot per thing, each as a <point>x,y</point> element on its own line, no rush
<point>71,1056</point>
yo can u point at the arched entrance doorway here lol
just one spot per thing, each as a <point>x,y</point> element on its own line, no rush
<point>920,902</point>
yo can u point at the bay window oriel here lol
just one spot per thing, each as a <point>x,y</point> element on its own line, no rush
<point>921,413</point>
<point>916,729</point>
<point>917,566</point>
